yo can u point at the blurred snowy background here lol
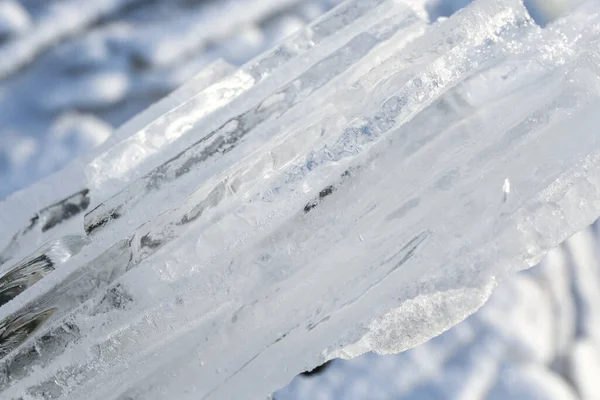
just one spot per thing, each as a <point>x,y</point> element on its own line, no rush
<point>73,70</point>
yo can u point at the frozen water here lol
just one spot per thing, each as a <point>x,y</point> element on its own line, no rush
<point>505,350</point>
<point>344,192</point>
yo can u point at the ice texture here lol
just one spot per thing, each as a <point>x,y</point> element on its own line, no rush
<point>362,186</point>
<point>522,344</point>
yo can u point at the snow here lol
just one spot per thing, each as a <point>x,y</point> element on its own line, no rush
<point>530,383</point>
<point>13,19</point>
<point>346,192</point>
<point>53,21</point>
<point>584,368</point>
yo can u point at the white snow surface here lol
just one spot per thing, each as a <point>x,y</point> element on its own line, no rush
<point>345,192</point>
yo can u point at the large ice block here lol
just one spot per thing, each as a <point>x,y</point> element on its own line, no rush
<point>362,187</point>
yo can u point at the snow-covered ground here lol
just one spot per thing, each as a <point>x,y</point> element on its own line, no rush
<point>71,71</point>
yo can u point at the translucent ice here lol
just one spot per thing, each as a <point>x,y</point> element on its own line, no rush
<point>362,186</point>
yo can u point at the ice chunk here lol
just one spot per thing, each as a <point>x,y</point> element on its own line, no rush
<point>274,70</point>
<point>303,206</point>
<point>400,329</point>
<point>23,209</point>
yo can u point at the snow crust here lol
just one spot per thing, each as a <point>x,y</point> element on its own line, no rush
<point>344,192</point>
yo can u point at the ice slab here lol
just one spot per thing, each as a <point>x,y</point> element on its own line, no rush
<point>361,187</point>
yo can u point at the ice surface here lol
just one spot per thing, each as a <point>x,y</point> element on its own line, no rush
<point>342,193</point>
<point>486,354</point>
